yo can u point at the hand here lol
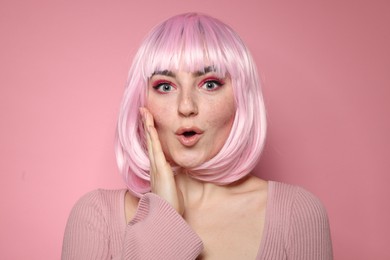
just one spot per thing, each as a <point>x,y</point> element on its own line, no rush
<point>162,179</point>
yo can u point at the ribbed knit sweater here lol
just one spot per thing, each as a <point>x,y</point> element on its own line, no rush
<point>296,227</point>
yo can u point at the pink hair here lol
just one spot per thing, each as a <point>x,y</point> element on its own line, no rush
<point>187,42</point>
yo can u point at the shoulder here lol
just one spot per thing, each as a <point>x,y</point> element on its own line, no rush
<point>91,225</point>
<point>99,197</point>
<point>298,209</point>
<point>307,232</point>
<point>309,205</point>
<point>296,198</point>
<point>97,202</point>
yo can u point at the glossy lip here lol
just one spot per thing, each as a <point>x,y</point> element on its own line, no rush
<point>188,141</point>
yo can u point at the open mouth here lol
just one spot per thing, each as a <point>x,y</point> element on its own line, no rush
<point>189,136</point>
<point>189,133</point>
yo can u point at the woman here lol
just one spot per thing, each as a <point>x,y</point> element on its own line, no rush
<point>190,131</point>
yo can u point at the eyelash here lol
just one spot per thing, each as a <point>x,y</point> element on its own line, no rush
<point>218,82</point>
<point>161,83</point>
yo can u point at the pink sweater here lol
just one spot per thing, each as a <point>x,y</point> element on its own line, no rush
<point>296,227</point>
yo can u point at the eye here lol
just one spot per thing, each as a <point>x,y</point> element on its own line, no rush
<point>211,84</point>
<point>163,87</point>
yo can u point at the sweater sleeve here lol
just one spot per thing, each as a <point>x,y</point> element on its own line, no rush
<point>309,233</point>
<point>158,232</point>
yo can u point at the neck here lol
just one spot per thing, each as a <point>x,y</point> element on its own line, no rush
<point>197,193</point>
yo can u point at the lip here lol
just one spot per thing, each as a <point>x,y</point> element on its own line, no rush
<point>188,141</point>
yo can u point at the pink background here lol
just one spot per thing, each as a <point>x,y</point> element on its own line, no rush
<point>325,67</point>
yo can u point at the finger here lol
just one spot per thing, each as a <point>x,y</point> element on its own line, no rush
<point>150,150</point>
<point>148,117</point>
<point>161,175</point>
<point>157,152</point>
<point>143,113</point>
<point>161,170</point>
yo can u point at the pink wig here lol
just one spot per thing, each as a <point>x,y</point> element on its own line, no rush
<point>189,42</point>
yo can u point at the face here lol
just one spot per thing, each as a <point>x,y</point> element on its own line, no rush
<point>193,114</point>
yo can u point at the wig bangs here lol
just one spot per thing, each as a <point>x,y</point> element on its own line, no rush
<point>190,45</point>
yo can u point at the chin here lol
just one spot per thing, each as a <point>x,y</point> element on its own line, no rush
<point>190,159</point>
<point>187,163</point>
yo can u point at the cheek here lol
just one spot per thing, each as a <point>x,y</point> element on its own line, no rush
<point>161,120</point>
<point>223,114</point>
<point>158,114</point>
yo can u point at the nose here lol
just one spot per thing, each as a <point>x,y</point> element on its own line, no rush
<point>187,104</point>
